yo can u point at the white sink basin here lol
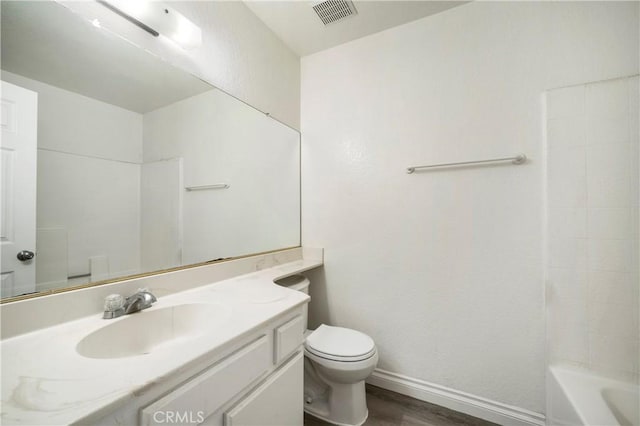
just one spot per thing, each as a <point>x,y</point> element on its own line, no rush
<point>150,330</point>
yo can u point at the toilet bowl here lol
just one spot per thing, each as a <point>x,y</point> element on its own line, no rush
<point>337,361</point>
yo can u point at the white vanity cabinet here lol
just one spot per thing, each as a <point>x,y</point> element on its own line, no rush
<point>226,352</point>
<point>258,382</point>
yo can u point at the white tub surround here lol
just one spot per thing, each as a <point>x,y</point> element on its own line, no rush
<point>592,184</point>
<point>46,381</point>
<point>579,397</point>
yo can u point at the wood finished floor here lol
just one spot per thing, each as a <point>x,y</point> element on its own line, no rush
<point>388,408</point>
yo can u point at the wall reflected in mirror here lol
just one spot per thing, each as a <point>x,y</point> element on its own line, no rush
<point>140,166</point>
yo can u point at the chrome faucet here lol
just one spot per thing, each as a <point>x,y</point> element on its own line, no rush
<point>115,305</point>
<point>139,301</point>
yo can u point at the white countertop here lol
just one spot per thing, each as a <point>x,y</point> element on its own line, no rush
<point>45,381</point>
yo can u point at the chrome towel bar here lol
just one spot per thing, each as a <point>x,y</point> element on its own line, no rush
<point>202,187</point>
<point>518,159</point>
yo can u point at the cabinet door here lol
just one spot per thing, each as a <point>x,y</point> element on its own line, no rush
<point>277,402</point>
<point>287,338</point>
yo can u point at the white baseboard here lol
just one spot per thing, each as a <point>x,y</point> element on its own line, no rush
<point>463,402</point>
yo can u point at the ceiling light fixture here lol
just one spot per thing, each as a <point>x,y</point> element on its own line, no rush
<point>157,19</point>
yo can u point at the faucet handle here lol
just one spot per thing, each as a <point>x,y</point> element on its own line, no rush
<point>113,302</point>
<point>113,306</point>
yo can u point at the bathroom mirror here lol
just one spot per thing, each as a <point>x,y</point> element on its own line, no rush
<point>141,167</point>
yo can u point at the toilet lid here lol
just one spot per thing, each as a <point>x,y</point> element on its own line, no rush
<point>340,344</point>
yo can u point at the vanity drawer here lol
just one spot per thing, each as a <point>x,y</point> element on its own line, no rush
<point>207,392</point>
<point>287,338</point>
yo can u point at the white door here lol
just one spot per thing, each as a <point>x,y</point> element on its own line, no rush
<point>18,189</point>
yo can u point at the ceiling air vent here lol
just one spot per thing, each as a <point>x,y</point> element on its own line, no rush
<point>331,11</point>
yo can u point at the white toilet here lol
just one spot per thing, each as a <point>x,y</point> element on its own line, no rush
<point>337,361</point>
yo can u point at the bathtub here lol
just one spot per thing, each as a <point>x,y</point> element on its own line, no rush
<point>577,397</point>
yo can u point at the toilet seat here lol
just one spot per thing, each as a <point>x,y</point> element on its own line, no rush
<point>340,344</point>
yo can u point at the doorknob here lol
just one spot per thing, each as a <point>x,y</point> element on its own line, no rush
<point>25,255</point>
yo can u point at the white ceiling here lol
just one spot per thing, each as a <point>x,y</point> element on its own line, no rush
<point>299,27</point>
<point>45,41</point>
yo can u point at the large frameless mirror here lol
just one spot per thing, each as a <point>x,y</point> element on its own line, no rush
<point>115,163</point>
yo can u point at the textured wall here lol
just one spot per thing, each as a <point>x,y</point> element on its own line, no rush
<point>245,58</point>
<point>445,269</point>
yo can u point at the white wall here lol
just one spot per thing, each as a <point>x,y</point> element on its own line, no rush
<point>161,221</point>
<point>88,184</point>
<point>225,141</point>
<point>239,55</point>
<point>593,184</point>
<point>444,269</point>
<point>72,123</point>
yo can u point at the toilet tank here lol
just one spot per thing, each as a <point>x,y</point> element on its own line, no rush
<point>298,283</point>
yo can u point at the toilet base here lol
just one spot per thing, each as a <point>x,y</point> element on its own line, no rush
<point>337,403</point>
<point>328,420</point>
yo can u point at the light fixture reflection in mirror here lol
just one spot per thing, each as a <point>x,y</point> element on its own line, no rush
<point>158,18</point>
<point>121,134</point>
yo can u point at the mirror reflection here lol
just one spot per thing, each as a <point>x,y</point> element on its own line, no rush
<point>116,163</point>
